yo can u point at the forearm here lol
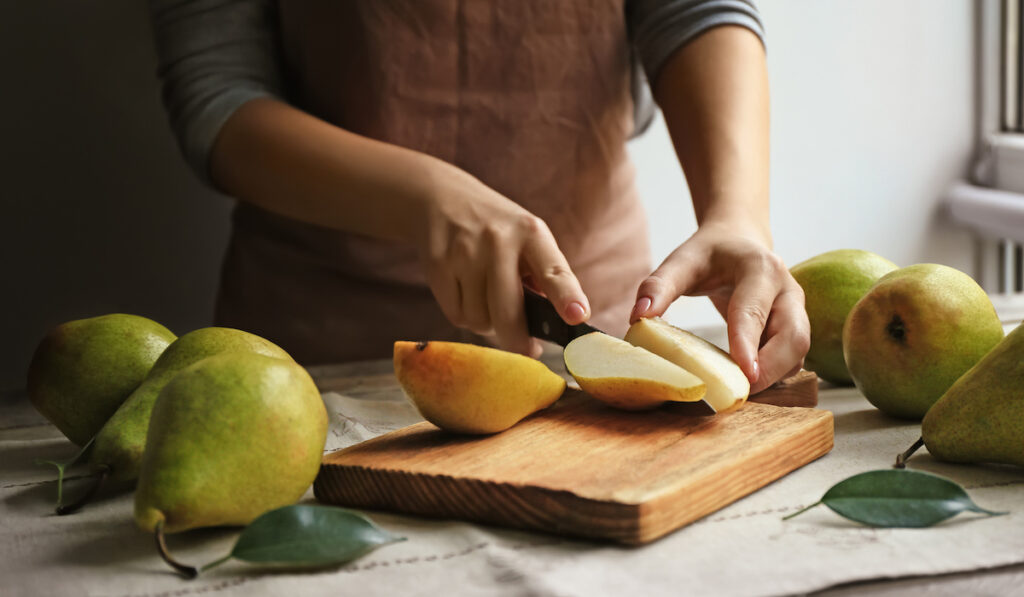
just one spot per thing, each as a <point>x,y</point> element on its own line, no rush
<point>288,162</point>
<point>713,93</point>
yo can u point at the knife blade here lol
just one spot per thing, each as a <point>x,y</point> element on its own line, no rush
<point>544,322</point>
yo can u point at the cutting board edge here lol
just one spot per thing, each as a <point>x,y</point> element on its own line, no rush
<point>330,488</point>
<point>810,448</point>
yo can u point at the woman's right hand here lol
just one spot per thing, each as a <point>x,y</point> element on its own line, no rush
<point>478,247</point>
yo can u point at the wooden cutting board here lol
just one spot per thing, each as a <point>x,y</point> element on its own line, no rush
<point>580,468</point>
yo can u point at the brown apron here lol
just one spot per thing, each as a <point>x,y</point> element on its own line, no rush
<point>530,96</point>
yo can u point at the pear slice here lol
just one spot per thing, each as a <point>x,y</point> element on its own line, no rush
<point>727,386</point>
<point>627,377</point>
<point>465,388</point>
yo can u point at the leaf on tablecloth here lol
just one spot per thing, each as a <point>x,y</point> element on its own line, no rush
<point>305,535</point>
<point>898,498</point>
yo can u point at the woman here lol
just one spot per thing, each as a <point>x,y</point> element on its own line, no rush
<point>403,167</point>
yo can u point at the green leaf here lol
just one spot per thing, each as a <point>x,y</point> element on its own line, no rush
<point>306,535</point>
<point>898,498</point>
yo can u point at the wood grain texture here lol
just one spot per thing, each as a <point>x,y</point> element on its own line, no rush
<point>798,390</point>
<point>580,468</point>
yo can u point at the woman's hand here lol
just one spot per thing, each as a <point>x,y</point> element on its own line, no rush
<point>750,286</point>
<point>478,247</point>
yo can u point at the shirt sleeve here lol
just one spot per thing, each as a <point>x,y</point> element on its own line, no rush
<point>658,28</point>
<point>213,56</point>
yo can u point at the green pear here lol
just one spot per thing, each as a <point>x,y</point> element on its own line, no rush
<point>83,370</point>
<point>119,444</point>
<point>981,417</point>
<point>232,436</point>
<point>833,282</point>
<point>916,332</point>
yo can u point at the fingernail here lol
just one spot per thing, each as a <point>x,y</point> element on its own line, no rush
<point>756,369</point>
<point>575,312</point>
<point>641,307</point>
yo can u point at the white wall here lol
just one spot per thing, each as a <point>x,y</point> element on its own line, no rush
<point>872,117</point>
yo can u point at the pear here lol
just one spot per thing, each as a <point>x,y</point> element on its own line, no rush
<point>727,385</point>
<point>833,282</point>
<point>232,436</point>
<point>626,376</point>
<point>916,332</point>
<point>980,418</point>
<point>465,388</point>
<point>120,443</point>
<point>83,370</point>
<point>117,449</point>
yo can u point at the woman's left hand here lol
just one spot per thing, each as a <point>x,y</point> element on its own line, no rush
<point>750,286</point>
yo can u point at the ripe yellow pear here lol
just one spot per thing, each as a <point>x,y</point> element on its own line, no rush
<point>916,332</point>
<point>231,437</point>
<point>626,376</point>
<point>833,282</point>
<point>467,388</point>
<point>981,417</point>
<point>727,385</point>
<point>83,370</point>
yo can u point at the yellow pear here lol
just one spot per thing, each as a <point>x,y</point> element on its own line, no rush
<point>467,388</point>
<point>628,377</point>
<point>727,385</point>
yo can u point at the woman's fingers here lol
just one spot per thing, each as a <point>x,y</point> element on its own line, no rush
<point>746,318</point>
<point>550,272</point>
<point>505,304</point>
<point>787,338</point>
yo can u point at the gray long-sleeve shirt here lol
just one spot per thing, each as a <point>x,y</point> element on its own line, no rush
<point>215,55</point>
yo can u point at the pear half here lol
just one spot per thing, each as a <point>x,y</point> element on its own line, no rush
<point>473,389</point>
<point>727,386</point>
<point>627,377</point>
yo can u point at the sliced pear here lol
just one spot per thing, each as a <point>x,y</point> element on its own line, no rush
<point>727,386</point>
<point>624,376</point>
<point>467,388</point>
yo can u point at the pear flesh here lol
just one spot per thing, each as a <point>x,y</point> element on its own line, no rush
<point>980,418</point>
<point>83,370</point>
<point>232,436</point>
<point>626,376</point>
<point>727,385</point>
<point>465,388</point>
<point>120,443</point>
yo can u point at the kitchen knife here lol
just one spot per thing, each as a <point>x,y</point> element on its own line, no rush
<point>544,322</point>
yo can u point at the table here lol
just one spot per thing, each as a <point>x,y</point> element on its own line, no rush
<point>744,549</point>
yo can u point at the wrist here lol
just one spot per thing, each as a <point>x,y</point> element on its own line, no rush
<point>738,225</point>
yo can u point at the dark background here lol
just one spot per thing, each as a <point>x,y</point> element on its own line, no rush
<point>80,100</point>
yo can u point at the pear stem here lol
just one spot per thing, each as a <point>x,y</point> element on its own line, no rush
<point>901,460</point>
<point>188,572</point>
<point>76,505</point>
<point>801,511</point>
